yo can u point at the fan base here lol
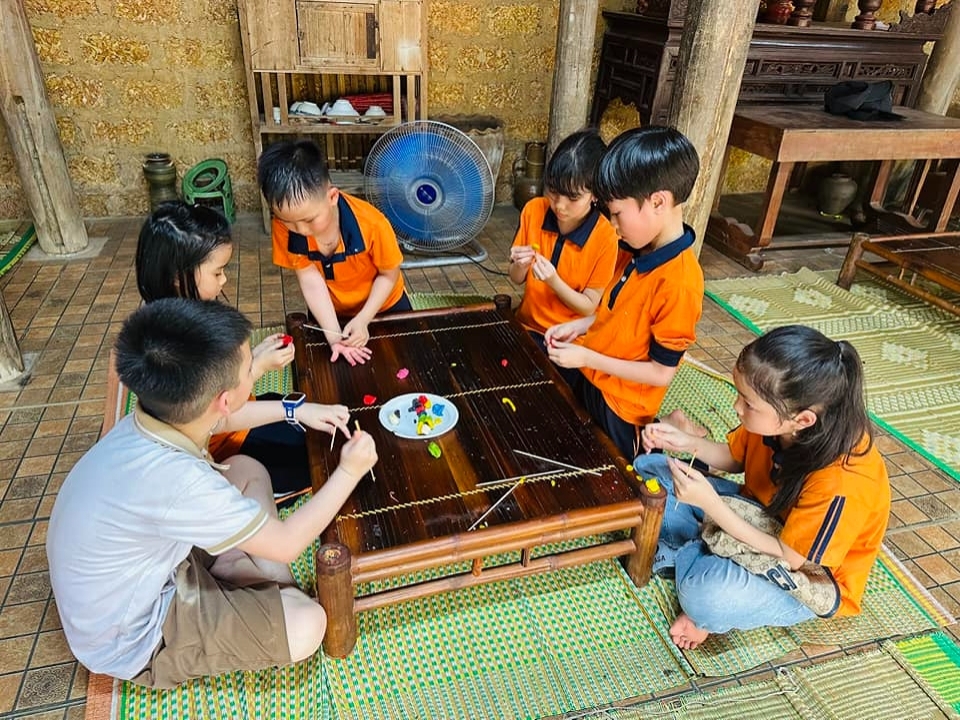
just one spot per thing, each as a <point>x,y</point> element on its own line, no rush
<point>472,252</point>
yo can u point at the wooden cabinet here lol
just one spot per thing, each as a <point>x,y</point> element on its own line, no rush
<point>321,50</point>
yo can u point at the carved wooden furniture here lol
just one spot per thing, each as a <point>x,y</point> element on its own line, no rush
<point>638,61</point>
<point>788,134</point>
<point>905,260</point>
<point>320,50</point>
<point>415,517</point>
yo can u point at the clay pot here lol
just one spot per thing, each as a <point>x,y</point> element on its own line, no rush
<point>528,174</point>
<point>777,12</point>
<point>835,193</point>
<point>161,175</point>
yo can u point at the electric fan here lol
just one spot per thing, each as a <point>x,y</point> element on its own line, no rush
<point>435,187</point>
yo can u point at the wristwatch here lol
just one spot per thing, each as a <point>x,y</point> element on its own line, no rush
<point>291,401</point>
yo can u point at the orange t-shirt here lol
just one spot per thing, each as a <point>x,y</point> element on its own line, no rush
<point>840,516</point>
<point>368,245</point>
<point>648,312</point>
<point>584,259</point>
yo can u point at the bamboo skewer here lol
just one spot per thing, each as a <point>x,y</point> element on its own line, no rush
<point>493,507</point>
<point>324,330</point>
<point>516,477</point>
<point>557,462</point>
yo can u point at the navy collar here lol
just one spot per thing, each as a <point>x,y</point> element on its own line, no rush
<point>349,233</point>
<point>646,260</point>
<point>579,236</point>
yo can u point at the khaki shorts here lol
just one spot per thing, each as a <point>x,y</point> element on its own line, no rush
<point>213,627</point>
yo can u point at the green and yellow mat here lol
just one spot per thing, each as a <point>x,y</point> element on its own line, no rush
<point>15,240</point>
<point>910,349</point>
<point>562,642</point>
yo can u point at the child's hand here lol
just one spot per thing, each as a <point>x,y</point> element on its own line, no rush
<point>543,269</point>
<point>522,255</point>
<point>353,355</point>
<point>568,355</point>
<point>272,354</point>
<point>326,418</point>
<point>358,455</point>
<point>564,332</point>
<point>355,333</point>
<point>690,486</point>
<point>665,436</point>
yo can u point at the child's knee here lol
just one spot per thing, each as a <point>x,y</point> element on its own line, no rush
<point>306,624</point>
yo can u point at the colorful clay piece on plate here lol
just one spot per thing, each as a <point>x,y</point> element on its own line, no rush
<point>394,417</point>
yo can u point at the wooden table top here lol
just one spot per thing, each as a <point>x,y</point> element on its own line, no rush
<point>475,358</point>
<point>806,133</point>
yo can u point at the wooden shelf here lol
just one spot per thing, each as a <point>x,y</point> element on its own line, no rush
<point>320,128</point>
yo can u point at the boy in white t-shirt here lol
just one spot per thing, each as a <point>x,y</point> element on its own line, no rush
<point>166,566</point>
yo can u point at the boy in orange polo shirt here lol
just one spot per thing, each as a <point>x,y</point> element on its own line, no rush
<point>628,351</point>
<point>564,251</point>
<point>343,250</point>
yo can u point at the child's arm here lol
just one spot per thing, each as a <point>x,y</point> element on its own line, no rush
<point>582,303</point>
<point>284,540</point>
<point>356,331</point>
<point>326,418</point>
<point>647,372</point>
<point>665,436</point>
<point>693,488</point>
<point>271,354</point>
<point>317,296</point>
<point>569,331</point>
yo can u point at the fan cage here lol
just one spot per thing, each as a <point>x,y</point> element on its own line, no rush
<point>432,182</point>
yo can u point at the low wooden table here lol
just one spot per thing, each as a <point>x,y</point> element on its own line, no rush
<point>791,134</point>
<point>416,516</point>
<point>903,260</point>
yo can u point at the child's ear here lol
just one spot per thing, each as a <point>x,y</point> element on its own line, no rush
<point>659,200</point>
<point>221,404</point>
<point>805,418</point>
<point>333,194</point>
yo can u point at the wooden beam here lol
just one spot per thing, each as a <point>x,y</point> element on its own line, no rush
<point>34,138</point>
<point>713,53</point>
<point>576,35</point>
<point>11,361</point>
<point>943,71</point>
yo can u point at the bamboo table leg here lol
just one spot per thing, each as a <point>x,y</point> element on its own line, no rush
<point>949,201</point>
<point>335,593</point>
<point>849,268</point>
<point>640,562</point>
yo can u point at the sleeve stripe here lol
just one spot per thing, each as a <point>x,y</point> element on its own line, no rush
<point>827,528</point>
<point>664,356</point>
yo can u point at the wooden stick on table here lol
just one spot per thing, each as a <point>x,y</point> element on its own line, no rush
<point>557,462</point>
<point>493,507</point>
<point>356,424</point>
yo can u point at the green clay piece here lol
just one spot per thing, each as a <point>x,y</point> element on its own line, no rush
<point>434,449</point>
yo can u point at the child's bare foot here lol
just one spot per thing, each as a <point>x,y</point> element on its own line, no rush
<point>685,634</point>
<point>678,418</point>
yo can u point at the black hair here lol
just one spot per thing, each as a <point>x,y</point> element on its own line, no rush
<point>290,172</point>
<point>795,368</point>
<point>571,169</point>
<point>642,161</point>
<point>174,242</point>
<point>177,355</point>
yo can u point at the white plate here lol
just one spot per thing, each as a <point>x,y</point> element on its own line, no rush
<point>407,427</point>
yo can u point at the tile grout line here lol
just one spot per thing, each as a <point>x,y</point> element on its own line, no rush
<point>922,524</point>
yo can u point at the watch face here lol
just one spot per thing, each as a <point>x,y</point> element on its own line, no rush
<point>294,397</point>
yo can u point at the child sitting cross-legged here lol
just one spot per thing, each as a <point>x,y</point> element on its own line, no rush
<point>166,565</point>
<point>798,539</point>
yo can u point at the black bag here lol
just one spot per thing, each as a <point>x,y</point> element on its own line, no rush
<point>861,100</point>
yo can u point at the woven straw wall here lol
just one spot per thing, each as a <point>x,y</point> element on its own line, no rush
<point>128,77</point>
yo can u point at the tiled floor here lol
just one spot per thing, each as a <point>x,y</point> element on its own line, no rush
<point>67,313</point>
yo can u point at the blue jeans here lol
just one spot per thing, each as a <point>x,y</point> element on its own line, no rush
<point>716,594</point>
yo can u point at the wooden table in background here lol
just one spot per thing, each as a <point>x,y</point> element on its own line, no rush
<point>416,515</point>
<point>791,134</point>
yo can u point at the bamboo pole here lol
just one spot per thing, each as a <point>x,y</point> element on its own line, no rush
<point>576,35</point>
